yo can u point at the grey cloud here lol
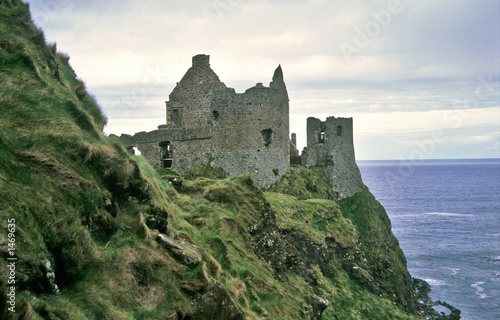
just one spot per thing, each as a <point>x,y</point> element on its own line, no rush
<point>428,57</point>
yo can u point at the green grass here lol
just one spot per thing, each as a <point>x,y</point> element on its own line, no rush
<point>314,218</point>
<point>305,183</point>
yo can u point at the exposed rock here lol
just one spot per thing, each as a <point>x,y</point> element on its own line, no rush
<point>427,305</point>
<point>267,242</point>
<point>157,211</point>
<point>355,264</point>
<point>111,206</point>
<point>175,181</point>
<point>318,305</point>
<point>287,250</point>
<point>214,303</point>
<point>185,252</point>
<point>50,275</point>
<point>157,223</point>
<point>308,253</point>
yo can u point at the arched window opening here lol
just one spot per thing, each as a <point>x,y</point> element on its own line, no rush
<point>215,114</point>
<point>266,135</point>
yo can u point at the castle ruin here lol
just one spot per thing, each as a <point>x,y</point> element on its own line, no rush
<point>244,132</point>
<point>330,145</point>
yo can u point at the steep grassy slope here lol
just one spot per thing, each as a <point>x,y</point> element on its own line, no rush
<point>357,228</point>
<point>88,217</point>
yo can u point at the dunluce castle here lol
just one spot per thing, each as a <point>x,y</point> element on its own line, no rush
<point>244,132</point>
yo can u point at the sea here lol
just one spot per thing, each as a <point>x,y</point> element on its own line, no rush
<point>446,216</point>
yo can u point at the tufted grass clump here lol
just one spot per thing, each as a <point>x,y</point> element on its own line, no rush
<point>305,183</point>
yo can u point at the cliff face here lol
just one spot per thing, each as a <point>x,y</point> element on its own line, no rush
<point>99,235</point>
<point>358,238</point>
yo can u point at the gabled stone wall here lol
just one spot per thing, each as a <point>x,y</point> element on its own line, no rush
<point>239,132</point>
<point>189,102</point>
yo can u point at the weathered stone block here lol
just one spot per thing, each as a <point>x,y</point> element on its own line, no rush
<point>185,252</point>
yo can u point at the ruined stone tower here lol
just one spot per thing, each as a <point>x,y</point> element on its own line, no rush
<point>238,132</point>
<point>330,145</point>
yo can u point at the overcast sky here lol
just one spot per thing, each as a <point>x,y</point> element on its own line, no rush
<point>420,78</point>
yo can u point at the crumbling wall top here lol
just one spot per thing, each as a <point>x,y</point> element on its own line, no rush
<point>201,60</point>
<point>278,82</point>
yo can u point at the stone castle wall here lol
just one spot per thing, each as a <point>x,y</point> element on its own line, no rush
<point>330,145</point>
<point>188,147</point>
<point>251,127</point>
<point>242,132</point>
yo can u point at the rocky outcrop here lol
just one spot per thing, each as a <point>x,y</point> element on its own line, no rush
<point>50,275</point>
<point>355,264</point>
<point>157,222</point>
<point>290,251</point>
<point>427,305</point>
<point>287,250</point>
<point>185,252</point>
<point>213,302</point>
<point>318,305</point>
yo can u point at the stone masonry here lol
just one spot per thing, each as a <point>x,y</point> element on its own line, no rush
<point>244,132</point>
<point>238,132</point>
<point>330,145</point>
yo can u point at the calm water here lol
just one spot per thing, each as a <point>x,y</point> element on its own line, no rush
<point>446,215</point>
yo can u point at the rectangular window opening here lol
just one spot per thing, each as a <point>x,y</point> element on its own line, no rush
<point>321,137</point>
<point>339,131</point>
<point>166,154</point>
